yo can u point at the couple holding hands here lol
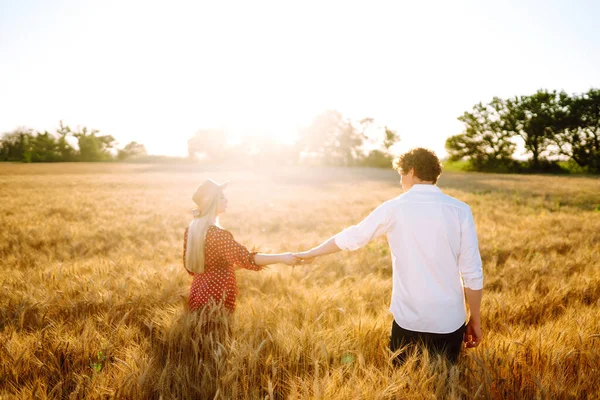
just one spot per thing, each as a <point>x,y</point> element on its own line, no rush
<point>437,267</point>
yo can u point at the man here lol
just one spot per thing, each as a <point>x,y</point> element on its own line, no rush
<point>435,257</point>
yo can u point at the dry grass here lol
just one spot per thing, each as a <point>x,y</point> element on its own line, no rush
<point>91,288</point>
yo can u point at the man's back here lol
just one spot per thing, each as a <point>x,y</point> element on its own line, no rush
<point>433,243</point>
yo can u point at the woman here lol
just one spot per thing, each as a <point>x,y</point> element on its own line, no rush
<point>211,254</point>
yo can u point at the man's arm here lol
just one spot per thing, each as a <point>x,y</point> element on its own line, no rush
<point>470,267</point>
<point>374,225</point>
<point>327,247</point>
<point>474,335</point>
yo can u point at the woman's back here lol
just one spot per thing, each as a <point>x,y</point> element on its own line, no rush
<point>217,284</point>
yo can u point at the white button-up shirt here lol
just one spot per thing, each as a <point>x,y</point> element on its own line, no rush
<point>433,243</point>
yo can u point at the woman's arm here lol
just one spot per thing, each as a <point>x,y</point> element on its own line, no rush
<point>237,254</point>
<point>284,258</point>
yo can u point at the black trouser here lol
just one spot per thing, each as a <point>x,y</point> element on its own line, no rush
<point>447,344</point>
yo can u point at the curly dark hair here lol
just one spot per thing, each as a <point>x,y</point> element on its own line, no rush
<point>426,164</point>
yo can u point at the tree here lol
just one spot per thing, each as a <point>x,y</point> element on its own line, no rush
<point>535,119</point>
<point>319,136</point>
<point>485,142</point>
<point>331,139</point>
<point>92,147</point>
<point>44,148</point>
<point>208,143</point>
<point>382,138</point>
<point>16,145</point>
<point>65,151</point>
<point>26,146</point>
<point>391,138</point>
<point>378,136</point>
<point>580,138</point>
<point>131,151</point>
<point>345,149</point>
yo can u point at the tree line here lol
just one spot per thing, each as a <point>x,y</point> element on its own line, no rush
<point>551,127</point>
<point>330,139</point>
<point>64,145</point>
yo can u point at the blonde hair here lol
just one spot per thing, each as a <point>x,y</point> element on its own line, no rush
<point>196,236</point>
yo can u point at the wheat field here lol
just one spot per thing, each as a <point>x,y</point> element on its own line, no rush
<point>93,286</point>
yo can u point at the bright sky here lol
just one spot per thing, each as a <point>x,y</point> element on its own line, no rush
<point>156,72</point>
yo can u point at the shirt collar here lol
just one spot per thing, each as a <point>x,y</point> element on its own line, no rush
<point>420,187</point>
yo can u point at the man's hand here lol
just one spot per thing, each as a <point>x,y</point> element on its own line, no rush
<point>473,335</point>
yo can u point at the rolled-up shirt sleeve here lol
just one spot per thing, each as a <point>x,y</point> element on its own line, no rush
<point>469,259</point>
<point>376,224</point>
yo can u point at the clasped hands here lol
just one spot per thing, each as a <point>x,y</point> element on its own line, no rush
<point>300,258</point>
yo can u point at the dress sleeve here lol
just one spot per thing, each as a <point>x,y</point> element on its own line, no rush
<point>185,235</point>
<point>236,254</point>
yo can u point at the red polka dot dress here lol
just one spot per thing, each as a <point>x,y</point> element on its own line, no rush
<point>217,283</point>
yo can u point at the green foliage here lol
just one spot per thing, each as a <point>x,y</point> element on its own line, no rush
<point>548,123</point>
<point>580,138</point>
<point>391,138</point>
<point>93,147</point>
<point>15,146</point>
<point>26,146</point>
<point>535,119</point>
<point>456,166</point>
<point>485,142</point>
<point>572,167</point>
<point>132,151</point>
<point>43,148</point>
<point>66,152</point>
<point>378,159</point>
